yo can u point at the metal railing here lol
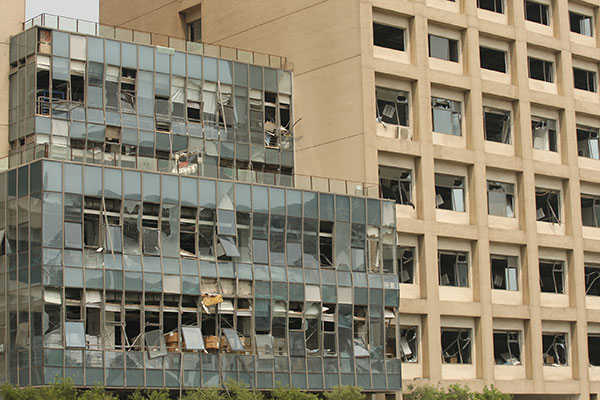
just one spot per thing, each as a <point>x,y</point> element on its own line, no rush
<point>188,166</point>
<point>154,39</point>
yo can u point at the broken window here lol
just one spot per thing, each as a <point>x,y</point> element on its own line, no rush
<point>541,70</point>
<point>590,211</point>
<point>396,184</point>
<point>501,201</point>
<point>77,86</point>
<point>128,90</point>
<point>328,319</point>
<point>264,346</point>
<point>443,48</point>
<point>587,142</point>
<point>456,346</point>
<point>581,23</point>
<point>155,343</point>
<point>450,192</point>
<point>409,344</point>
<point>326,243</point>
<point>387,36</point>
<point>547,204</point>
<point>507,347</point>
<point>492,59</point>
<point>496,125</point>
<point>206,232</point>
<point>592,280</point>
<point>496,6</point>
<point>504,272</point>
<point>52,318</point>
<point>537,12</point>
<point>406,264</point>
<point>584,79</point>
<point>233,340</point>
<point>392,106</point>
<point>552,276</point>
<point>544,134</point>
<point>446,116</point>
<point>194,31</point>
<point>554,346</point>
<point>74,334</point>
<point>594,349</point>
<point>453,269</point>
<point>192,337</point>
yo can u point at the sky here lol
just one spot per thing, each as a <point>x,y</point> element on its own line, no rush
<point>82,9</point>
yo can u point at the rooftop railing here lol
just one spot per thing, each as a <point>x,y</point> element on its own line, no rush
<point>188,167</point>
<point>153,39</point>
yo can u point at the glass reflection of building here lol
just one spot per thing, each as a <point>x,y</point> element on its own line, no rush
<point>152,235</point>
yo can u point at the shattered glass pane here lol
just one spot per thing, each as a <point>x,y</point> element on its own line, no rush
<point>74,334</point>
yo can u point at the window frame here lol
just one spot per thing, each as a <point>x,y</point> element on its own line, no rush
<point>403,105</point>
<point>454,107</point>
<point>384,25</point>
<point>509,196</point>
<point>547,69</point>
<point>504,70</point>
<point>544,11</point>
<point>591,84</point>
<point>585,16</point>
<point>452,47</point>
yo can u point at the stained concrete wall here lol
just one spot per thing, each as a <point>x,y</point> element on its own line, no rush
<point>11,22</point>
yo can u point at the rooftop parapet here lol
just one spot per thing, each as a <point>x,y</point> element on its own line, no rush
<point>148,38</point>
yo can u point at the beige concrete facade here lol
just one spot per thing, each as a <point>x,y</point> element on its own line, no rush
<point>329,46</point>
<point>11,22</point>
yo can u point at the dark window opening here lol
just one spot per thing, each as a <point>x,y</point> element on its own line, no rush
<point>492,59</point>
<point>537,12</point>
<point>453,269</point>
<point>496,6</point>
<point>194,110</point>
<point>584,80</point>
<point>497,125</point>
<point>554,346</point>
<point>387,36</point>
<point>409,344</point>
<point>443,48</point>
<point>581,23</point>
<point>195,31</point>
<point>326,244</point>
<point>590,211</point>
<point>544,134</point>
<point>588,143</point>
<point>392,106</point>
<point>592,280</point>
<point>504,273</point>
<point>456,346</point>
<point>77,88</point>
<point>43,92</point>
<point>60,89</point>
<point>552,276</point>
<point>594,349</point>
<point>406,264</point>
<point>395,184</point>
<point>540,70</point>
<point>449,192</point>
<point>507,347</point>
<point>547,204</point>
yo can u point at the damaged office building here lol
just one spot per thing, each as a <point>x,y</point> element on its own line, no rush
<point>153,233</point>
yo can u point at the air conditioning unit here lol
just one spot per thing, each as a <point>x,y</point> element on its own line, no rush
<point>405,133</point>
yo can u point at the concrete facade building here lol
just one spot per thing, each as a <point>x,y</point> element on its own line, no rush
<point>480,119</point>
